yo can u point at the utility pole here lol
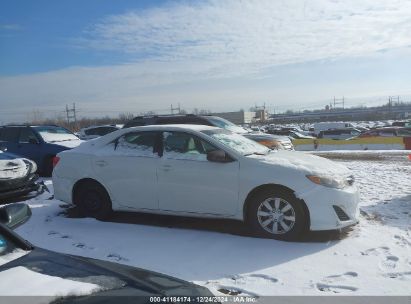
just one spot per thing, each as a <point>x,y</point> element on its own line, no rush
<point>338,101</point>
<point>71,115</point>
<point>176,109</point>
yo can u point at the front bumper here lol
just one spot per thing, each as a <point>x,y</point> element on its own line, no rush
<point>19,188</point>
<point>331,208</point>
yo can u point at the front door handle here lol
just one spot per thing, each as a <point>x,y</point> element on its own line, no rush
<point>101,163</point>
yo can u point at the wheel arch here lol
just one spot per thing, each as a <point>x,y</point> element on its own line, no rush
<point>84,181</point>
<point>279,187</point>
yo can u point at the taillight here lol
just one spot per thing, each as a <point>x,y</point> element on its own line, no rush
<point>55,160</point>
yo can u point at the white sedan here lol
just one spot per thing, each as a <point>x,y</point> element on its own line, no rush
<point>194,170</point>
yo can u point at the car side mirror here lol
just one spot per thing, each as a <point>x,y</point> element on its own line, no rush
<point>218,156</point>
<point>33,141</point>
<point>14,215</point>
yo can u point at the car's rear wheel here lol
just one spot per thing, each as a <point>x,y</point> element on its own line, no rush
<point>277,214</point>
<point>92,200</point>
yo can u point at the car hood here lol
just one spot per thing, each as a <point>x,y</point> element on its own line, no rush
<point>111,277</point>
<point>268,136</point>
<point>303,162</point>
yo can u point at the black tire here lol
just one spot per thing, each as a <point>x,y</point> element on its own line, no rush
<point>277,218</point>
<point>93,201</point>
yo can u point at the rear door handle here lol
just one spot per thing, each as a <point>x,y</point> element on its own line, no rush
<point>101,163</point>
<point>166,167</point>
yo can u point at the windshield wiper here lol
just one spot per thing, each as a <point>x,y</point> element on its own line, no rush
<point>257,153</point>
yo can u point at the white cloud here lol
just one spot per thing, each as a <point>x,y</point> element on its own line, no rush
<point>202,54</point>
<point>245,36</point>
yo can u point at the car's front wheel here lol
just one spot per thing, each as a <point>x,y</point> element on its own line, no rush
<point>277,214</point>
<point>93,201</point>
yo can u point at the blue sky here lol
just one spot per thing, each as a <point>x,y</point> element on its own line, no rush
<point>134,56</point>
<point>36,36</point>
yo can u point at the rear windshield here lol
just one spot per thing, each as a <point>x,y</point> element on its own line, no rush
<point>55,134</point>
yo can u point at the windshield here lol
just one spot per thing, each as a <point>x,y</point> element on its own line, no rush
<point>225,124</point>
<point>237,142</point>
<point>55,134</point>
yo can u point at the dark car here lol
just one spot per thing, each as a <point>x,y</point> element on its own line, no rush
<point>270,141</point>
<point>38,143</point>
<point>387,132</point>
<point>339,133</point>
<point>17,177</point>
<point>133,285</point>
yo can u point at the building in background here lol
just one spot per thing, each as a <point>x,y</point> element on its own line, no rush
<point>238,118</point>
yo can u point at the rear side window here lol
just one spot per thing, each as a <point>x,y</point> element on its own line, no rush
<point>27,136</point>
<point>137,144</point>
<point>10,134</point>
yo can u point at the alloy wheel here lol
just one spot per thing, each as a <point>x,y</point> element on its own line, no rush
<point>276,215</point>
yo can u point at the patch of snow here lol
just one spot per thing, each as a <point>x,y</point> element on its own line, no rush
<point>309,164</point>
<point>374,259</point>
<point>15,254</point>
<point>69,143</point>
<point>20,281</point>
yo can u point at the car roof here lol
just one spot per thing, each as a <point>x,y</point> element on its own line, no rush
<point>28,125</point>
<point>182,127</point>
<point>100,126</point>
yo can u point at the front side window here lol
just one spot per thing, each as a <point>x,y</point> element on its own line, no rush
<point>137,144</point>
<point>237,142</point>
<point>180,145</point>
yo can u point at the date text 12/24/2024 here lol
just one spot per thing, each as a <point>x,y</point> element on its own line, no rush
<point>204,299</point>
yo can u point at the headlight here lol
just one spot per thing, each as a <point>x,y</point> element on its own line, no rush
<point>328,181</point>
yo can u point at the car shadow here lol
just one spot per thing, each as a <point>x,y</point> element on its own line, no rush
<point>193,249</point>
<point>233,227</point>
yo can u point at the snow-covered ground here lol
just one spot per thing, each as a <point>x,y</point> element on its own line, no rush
<point>374,258</point>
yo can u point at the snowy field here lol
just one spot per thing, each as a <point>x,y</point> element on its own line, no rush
<point>373,258</point>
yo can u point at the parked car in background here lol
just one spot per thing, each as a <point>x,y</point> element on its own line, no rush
<point>291,134</point>
<point>324,126</point>
<point>96,131</point>
<point>39,143</point>
<point>339,133</point>
<point>406,124</point>
<point>203,171</point>
<point>17,176</point>
<point>209,120</point>
<point>387,132</point>
<point>26,270</point>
